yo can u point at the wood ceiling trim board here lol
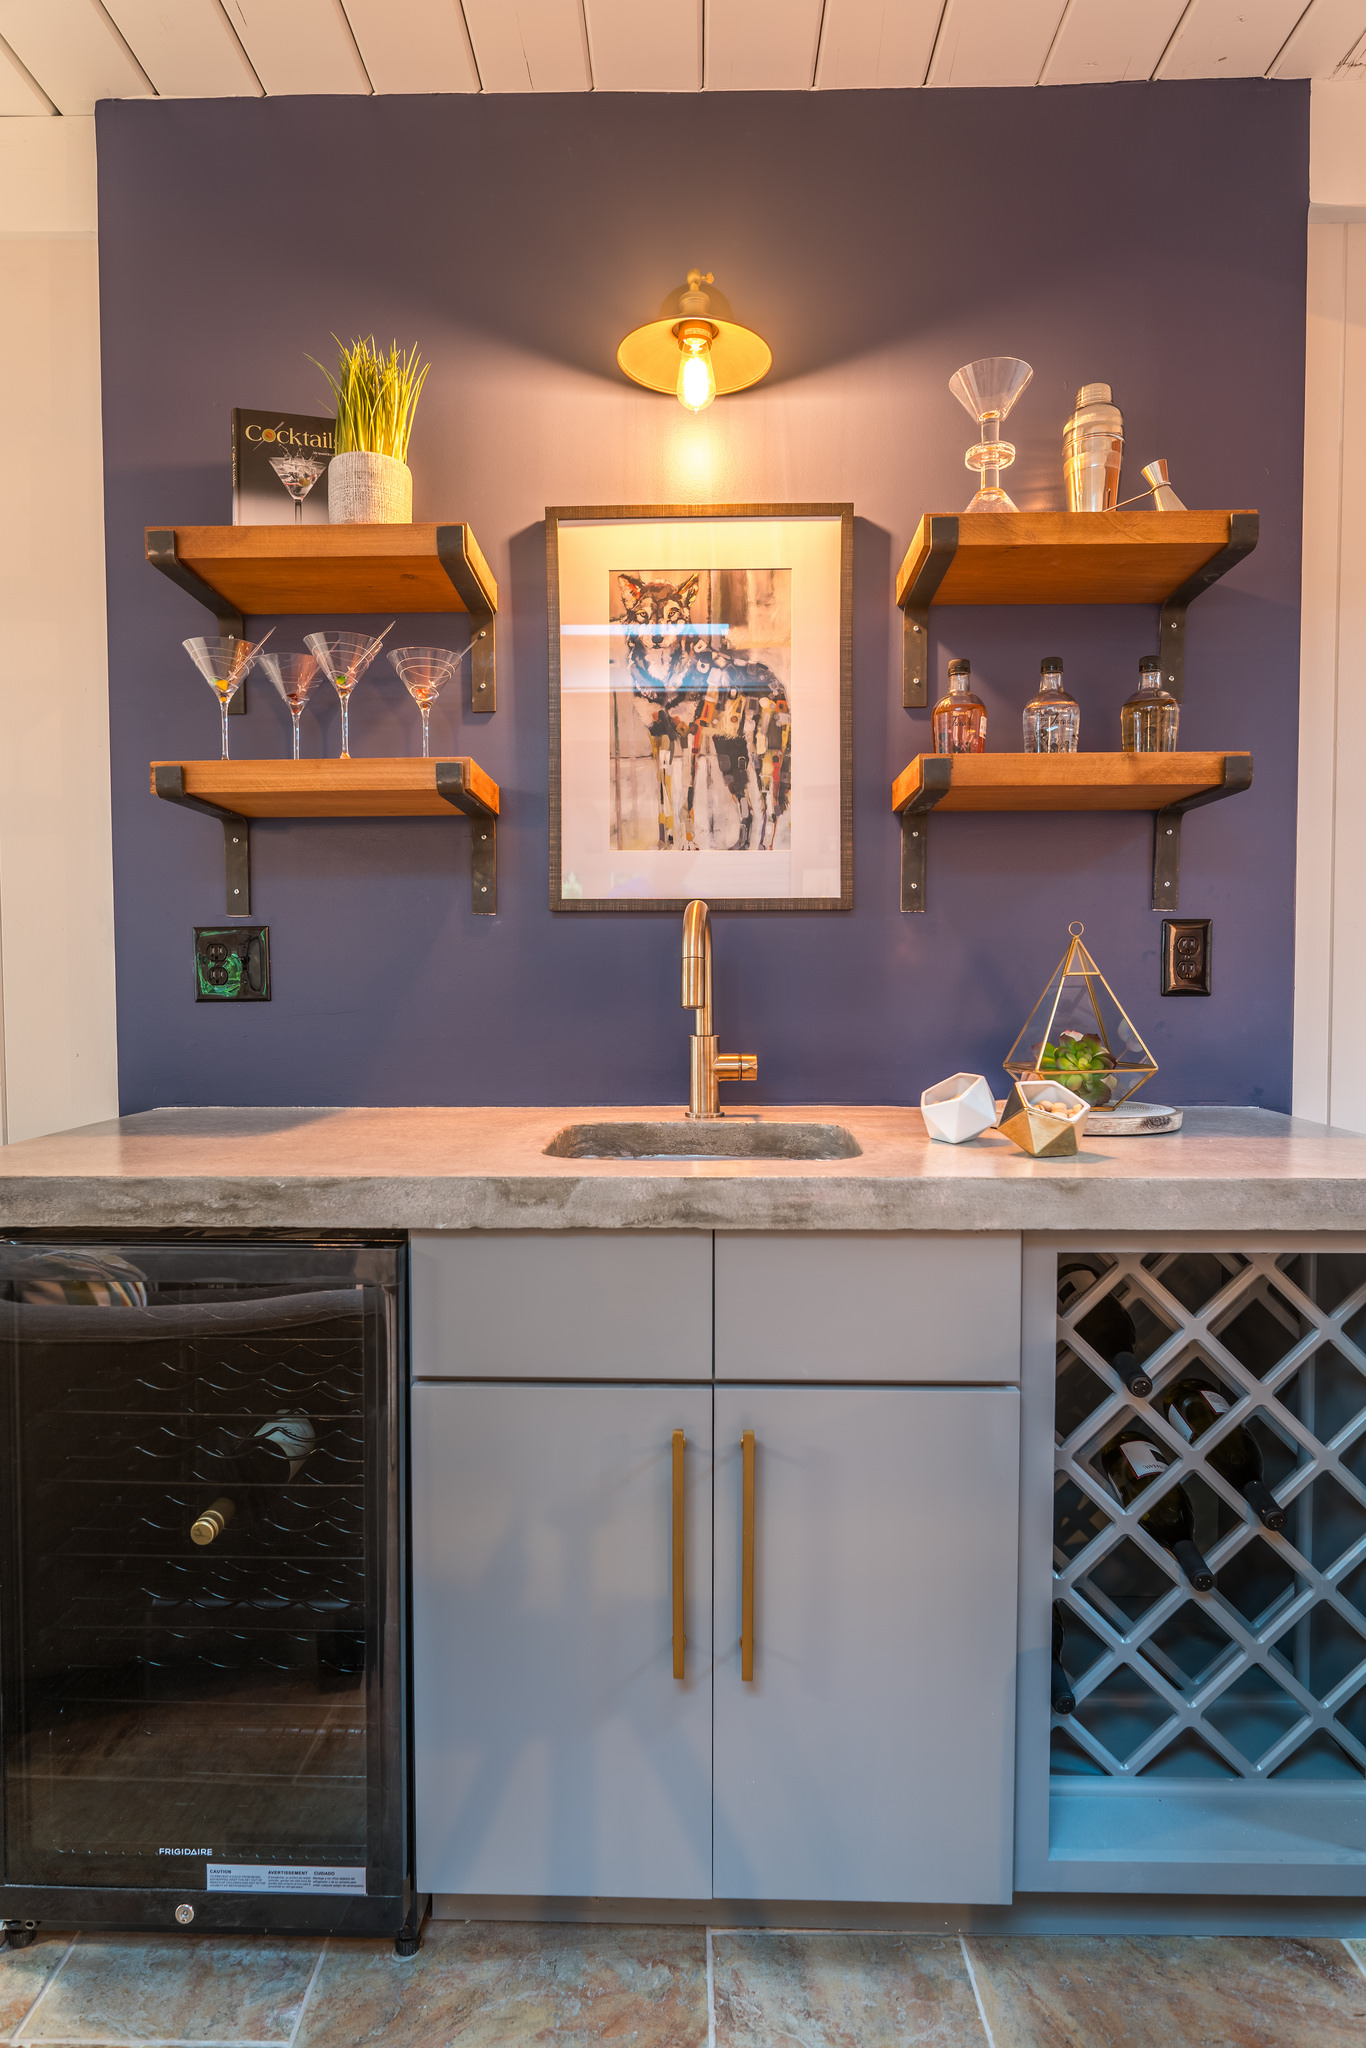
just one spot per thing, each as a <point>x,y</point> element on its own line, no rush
<point>530,45</point>
<point>762,45</point>
<point>21,97</point>
<point>1099,43</point>
<point>73,51</point>
<point>186,47</point>
<point>877,43</point>
<point>995,42</point>
<point>422,46</point>
<point>1229,38</point>
<point>298,46</point>
<point>1322,40</point>
<point>635,48</point>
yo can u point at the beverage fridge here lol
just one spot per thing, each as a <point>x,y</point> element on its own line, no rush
<point>203,1585</point>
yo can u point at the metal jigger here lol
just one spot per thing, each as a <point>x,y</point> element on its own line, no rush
<point>1164,497</point>
<point>988,389</point>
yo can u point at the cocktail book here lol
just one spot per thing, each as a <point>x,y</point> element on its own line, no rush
<point>279,468</point>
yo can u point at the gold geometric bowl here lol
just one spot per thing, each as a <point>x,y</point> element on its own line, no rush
<point>1040,1132</point>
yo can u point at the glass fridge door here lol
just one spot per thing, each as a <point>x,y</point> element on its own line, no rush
<point>200,1566</point>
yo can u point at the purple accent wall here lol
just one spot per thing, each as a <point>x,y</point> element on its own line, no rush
<point>1150,235</point>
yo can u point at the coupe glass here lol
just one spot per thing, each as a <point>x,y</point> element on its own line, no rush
<point>988,389</point>
<point>293,676</point>
<point>345,657</point>
<point>298,473</point>
<point>223,662</point>
<point>423,671</point>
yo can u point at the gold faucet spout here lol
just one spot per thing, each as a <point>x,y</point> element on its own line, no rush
<point>707,1067</point>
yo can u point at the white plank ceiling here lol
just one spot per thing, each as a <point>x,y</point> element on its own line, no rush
<point>60,56</point>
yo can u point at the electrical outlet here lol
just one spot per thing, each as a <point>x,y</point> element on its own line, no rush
<point>232,963</point>
<point>1186,943</point>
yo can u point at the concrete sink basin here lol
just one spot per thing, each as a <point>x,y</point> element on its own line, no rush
<point>684,1140</point>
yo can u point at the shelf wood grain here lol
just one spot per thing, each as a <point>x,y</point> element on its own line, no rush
<point>1130,557</point>
<point>399,787</point>
<point>1063,782</point>
<point>332,570</point>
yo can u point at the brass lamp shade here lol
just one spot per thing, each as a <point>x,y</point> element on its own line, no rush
<point>651,354</point>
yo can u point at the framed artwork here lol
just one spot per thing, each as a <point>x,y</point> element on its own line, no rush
<point>700,706</point>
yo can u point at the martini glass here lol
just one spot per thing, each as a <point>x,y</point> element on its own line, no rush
<point>293,676</point>
<point>988,389</point>
<point>223,662</point>
<point>345,657</point>
<point>423,671</point>
<point>298,473</point>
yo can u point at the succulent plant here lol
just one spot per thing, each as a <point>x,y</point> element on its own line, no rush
<point>1079,1061</point>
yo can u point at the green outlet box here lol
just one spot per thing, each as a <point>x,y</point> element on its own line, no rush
<point>232,963</point>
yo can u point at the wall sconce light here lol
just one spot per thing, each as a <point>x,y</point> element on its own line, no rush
<point>695,348</point>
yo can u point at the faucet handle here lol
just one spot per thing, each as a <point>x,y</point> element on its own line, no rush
<point>737,1066</point>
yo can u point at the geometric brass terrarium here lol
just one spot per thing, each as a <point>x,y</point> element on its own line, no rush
<point>1078,1034</point>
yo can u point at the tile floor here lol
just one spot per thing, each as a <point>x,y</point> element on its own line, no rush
<point>501,1985</point>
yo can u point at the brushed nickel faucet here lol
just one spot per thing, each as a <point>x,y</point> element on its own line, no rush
<point>706,1066</point>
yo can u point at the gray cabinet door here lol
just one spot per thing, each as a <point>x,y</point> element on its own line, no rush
<point>871,1756</point>
<point>555,1751</point>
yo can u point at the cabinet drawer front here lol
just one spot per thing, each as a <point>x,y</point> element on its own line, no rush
<point>878,1306</point>
<point>562,1305</point>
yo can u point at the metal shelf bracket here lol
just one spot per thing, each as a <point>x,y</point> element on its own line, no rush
<point>450,786</point>
<point>170,785</point>
<point>454,558</point>
<point>1171,645</point>
<point>1167,830</point>
<point>915,828</point>
<point>915,605</point>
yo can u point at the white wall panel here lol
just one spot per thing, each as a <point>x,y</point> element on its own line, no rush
<point>1229,38</point>
<point>298,45</point>
<point>1324,37</point>
<point>762,45</point>
<point>1347,1068</point>
<point>994,42</point>
<point>420,47</point>
<point>74,52</point>
<point>57,1043</point>
<point>1337,142</point>
<point>185,47</point>
<point>19,95</point>
<point>645,45</point>
<point>530,45</point>
<point>1099,42</point>
<point>877,42</point>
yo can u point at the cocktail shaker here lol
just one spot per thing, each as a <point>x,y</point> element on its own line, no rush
<point>1092,450</point>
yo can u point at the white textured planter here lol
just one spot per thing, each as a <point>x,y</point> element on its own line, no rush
<point>369,490</point>
<point>961,1107</point>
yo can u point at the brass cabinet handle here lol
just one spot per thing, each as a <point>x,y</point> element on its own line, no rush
<point>680,1640</point>
<point>747,1556</point>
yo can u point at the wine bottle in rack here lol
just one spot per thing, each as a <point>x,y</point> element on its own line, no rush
<point>1192,1406</point>
<point>1064,1699</point>
<point>1131,1463</point>
<point>268,1456</point>
<point>1110,1327</point>
<point>208,1527</point>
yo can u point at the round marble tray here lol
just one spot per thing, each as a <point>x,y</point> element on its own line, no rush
<point>1133,1120</point>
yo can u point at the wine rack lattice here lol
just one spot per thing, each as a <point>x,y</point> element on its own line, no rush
<point>1263,1678</point>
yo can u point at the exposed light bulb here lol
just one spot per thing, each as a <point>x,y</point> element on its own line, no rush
<point>696,378</point>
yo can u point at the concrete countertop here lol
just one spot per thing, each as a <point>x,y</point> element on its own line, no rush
<point>485,1169</point>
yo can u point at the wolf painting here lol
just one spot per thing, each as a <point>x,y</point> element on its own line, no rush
<point>700,718</point>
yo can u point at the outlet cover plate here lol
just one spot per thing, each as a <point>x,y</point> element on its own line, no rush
<point>1186,946</point>
<point>232,963</point>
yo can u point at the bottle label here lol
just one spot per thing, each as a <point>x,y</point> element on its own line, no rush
<point>1144,1460</point>
<point>1215,1401</point>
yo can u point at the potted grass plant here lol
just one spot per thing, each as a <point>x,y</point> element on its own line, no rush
<point>368,479</point>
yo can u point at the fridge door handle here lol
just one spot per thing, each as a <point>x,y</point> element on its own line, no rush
<point>679,1638</point>
<point>747,1556</point>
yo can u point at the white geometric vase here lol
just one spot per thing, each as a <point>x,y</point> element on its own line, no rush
<point>369,490</point>
<point>959,1108</point>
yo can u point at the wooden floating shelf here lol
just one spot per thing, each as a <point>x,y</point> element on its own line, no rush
<point>1061,782</point>
<point>235,792</point>
<point>1132,557</point>
<point>1168,785</point>
<point>239,572</point>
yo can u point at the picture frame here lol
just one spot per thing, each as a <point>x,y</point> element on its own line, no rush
<point>701,706</point>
